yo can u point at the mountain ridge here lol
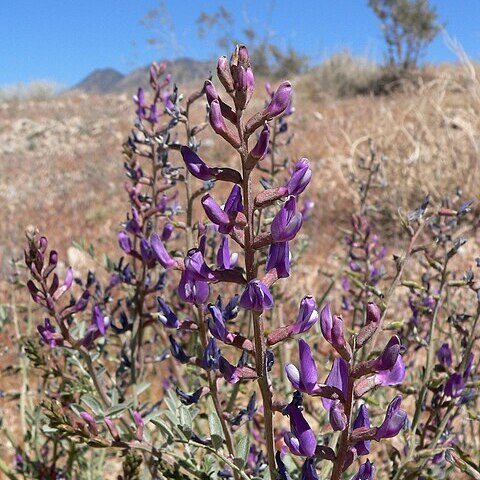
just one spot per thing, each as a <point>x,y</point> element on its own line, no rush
<point>109,80</point>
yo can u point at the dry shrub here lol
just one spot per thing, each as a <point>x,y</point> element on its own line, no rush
<point>36,90</point>
<point>343,75</point>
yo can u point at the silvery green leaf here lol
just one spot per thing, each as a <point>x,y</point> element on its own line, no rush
<point>185,422</point>
<point>216,432</point>
<point>92,403</point>
<point>118,408</point>
<point>241,451</point>
<point>141,387</point>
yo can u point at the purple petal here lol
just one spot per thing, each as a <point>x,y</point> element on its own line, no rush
<point>308,369</point>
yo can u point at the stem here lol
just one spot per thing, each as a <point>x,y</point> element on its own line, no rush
<point>258,324</point>
<point>212,381</point>
<point>401,265</point>
<point>343,447</point>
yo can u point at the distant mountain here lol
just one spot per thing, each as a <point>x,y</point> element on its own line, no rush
<point>102,80</point>
<point>108,80</point>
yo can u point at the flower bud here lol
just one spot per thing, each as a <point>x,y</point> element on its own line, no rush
<point>300,178</point>
<point>261,147</point>
<point>337,417</point>
<point>224,74</point>
<point>280,101</point>
<point>90,421</point>
<point>137,418</point>
<point>112,429</point>
<point>210,92</point>
<point>307,315</point>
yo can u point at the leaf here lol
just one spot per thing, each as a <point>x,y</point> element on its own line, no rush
<point>119,408</point>
<point>141,387</point>
<point>185,422</point>
<point>76,408</point>
<point>91,402</point>
<point>216,432</point>
<point>241,451</point>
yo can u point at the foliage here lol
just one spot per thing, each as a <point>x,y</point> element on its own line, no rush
<point>408,27</point>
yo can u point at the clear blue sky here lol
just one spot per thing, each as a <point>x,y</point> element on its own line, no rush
<point>64,40</point>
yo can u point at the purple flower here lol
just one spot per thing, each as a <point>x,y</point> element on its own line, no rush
<point>211,356</point>
<point>229,372</point>
<point>362,421</point>
<point>394,376</point>
<point>167,100</point>
<point>332,328</point>
<point>191,290</point>
<point>280,101</point>
<point>137,418</point>
<point>389,356</point>
<point>256,297</point>
<point>177,351</point>
<point>223,254</point>
<point>287,222</point>
<point>216,325</point>
<point>216,214</point>
<point>97,328</point>
<point>133,224</point>
<point>147,253</point>
<point>139,99</point>
<point>48,333</point>
<point>469,365</point>
<point>394,420</point>
<point>300,178</point>
<point>301,440</point>
<point>99,320</point>
<point>279,258</point>
<point>309,471</point>
<point>444,355</point>
<point>67,284</point>
<point>261,147</point>
<point>281,467</point>
<point>365,472</point>
<point>196,266</point>
<point>337,378</point>
<point>160,252</point>
<point>307,315</point>
<point>167,232</point>
<point>306,379</point>
<point>234,203</point>
<point>308,204</point>
<point>153,117</point>
<point>195,165</point>
<point>455,385</point>
<point>166,316</point>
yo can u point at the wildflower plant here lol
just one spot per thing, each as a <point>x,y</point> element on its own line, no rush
<point>175,356</point>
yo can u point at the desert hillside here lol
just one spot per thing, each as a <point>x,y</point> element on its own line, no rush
<point>61,158</point>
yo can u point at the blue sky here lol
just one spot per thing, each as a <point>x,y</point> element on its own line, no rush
<point>64,40</point>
